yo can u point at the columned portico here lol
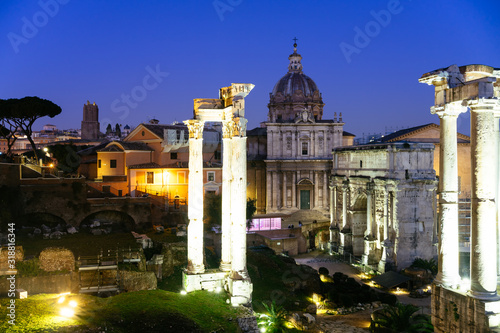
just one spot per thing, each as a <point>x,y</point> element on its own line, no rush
<point>476,87</point>
<point>233,276</point>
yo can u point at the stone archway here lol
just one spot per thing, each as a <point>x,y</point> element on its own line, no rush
<point>358,224</point>
<point>37,219</point>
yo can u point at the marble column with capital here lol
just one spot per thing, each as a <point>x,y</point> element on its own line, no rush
<point>448,247</point>
<point>227,149</point>
<point>238,201</point>
<point>483,206</point>
<point>195,195</point>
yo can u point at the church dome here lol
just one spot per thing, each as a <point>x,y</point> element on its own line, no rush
<point>294,93</point>
<point>294,81</point>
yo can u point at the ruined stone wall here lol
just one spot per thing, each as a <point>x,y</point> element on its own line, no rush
<point>57,259</point>
<point>60,283</point>
<point>455,312</point>
<point>413,233</point>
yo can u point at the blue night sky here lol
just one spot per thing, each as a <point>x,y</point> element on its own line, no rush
<point>101,51</point>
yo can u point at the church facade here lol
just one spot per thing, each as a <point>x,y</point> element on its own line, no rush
<point>289,156</point>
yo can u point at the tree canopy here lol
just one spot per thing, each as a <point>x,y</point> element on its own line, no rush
<point>23,112</point>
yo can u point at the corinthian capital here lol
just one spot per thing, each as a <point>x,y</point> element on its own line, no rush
<point>240,127</point>
<point>227,129</point>
<point>195,128</point>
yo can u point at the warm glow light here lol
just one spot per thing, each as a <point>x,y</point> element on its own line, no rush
<point>464,284</point>
<point>45,149</point>
<point>399,291</point>
<point>73,304</point>
<point>67,312</point>
<point>51,165</point>
<point>61,299</point>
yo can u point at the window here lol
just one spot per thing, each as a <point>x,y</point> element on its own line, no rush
<point>99,164</point>
<point>173,156</point>
<point>305,148</point>
<point>150,177</point>
<point>112,164</point>
<point>217,155</point>
<point>211,176</point>
<point>360,164</point>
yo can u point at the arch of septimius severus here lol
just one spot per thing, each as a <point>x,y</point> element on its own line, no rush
<point>459,306</point>
<point>229,109</point>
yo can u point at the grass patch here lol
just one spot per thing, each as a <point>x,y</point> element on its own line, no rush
<point>40,313</point>
<point>142,311</point>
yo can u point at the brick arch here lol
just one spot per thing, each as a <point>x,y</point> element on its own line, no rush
<point>36,219</point>
<point>117,219</point>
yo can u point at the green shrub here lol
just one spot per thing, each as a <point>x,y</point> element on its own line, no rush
<point>430,264</point>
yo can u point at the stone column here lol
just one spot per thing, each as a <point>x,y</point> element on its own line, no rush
<point>195,198</point>
<point>497,192</point>
<point>227,178</point>
<point>369,237</point>
<point>294,189</point>
<point>385,236</point>
<point>369,211</point>
<point>345,189</point>
<point>284,196</point>
<point>448,248</point>
<point>269,191</point>
<point>316,190</point>
<point>483,266</point>
<point>238,201</point>
<point>324,202</point>
<point>333,214</point>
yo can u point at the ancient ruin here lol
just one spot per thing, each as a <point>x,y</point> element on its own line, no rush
<point>458,306</point>
<point>381,200</point>
<point>229,109</point>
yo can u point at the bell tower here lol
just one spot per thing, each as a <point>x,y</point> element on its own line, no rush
<point>90,123</point>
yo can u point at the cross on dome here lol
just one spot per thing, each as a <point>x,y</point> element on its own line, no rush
<point>295,66</point>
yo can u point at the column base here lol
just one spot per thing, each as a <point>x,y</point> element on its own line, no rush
<point>240,291</point>
<point>195,269</point>
<point>447,282</point>
<point>206,281</point>
<point>484,296</point>
<point>225,267</point>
